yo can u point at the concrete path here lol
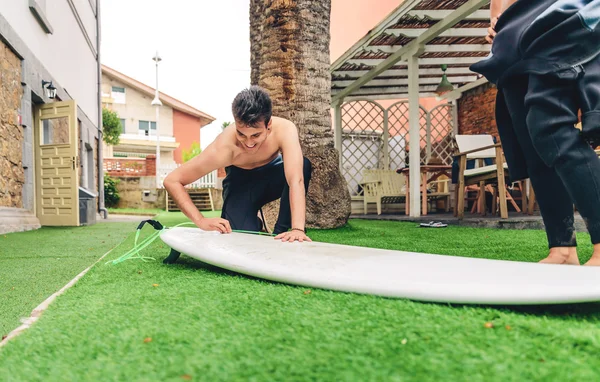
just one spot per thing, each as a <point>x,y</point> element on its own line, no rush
<point>515,220</point>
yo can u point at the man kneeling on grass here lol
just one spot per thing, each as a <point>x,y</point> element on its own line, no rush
<point>252,150</point>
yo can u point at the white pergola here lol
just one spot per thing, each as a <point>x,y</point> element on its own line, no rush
<point>401,58</point>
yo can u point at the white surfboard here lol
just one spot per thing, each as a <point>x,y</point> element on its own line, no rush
<point>416,276</point>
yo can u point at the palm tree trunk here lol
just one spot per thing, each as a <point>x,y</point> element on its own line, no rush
<point>290,59</point>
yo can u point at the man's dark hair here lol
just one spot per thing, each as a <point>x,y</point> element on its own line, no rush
<point>252,106</point>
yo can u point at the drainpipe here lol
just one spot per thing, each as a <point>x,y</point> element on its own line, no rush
<point>101,207</point>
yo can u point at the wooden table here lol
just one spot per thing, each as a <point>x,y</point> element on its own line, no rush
<point>436,170</point>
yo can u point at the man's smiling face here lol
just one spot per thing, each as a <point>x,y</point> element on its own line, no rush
<point>252,137</point>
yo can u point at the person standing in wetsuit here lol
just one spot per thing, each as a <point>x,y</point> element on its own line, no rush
<point>545,62</point>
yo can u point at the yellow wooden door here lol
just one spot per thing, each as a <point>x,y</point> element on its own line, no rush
<point>56,180</point>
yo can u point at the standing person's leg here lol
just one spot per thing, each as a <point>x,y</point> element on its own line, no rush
<point>553,198</point>
<point>552,105</point>
<point>589,96</point>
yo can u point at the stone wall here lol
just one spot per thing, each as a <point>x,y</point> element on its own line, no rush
<point>476,111</point>
<point>139,192</point>
<point>12,175</point>
<point>217,195</point>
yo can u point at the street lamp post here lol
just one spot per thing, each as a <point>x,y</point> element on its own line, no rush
<point>156,102</point>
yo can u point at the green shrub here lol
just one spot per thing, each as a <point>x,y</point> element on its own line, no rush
<point>111,127</point>
<point>192,152</point>
<point>111,193</point>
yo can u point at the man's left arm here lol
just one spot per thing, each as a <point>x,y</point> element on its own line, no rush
<point>293,164</point>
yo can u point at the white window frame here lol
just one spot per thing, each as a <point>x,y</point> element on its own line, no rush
<point>148,133</point>
<point>117,95</point>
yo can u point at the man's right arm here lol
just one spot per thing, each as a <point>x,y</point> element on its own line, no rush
<point>215,156</point>
<point>495,11</point>
<point>495,8</point>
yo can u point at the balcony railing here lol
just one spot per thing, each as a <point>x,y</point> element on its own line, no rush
<point>127,167</point>
<point>207,181</point>
<point>151,137</point>
<point>135,167</point>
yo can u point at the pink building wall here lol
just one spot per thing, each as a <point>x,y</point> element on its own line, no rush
<point>186,130</point>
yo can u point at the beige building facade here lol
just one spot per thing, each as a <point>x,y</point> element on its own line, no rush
<point>179,124</point>
<point>138,118</point>
<point>50,152</point>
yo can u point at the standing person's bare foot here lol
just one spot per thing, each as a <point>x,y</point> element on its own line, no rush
<point>563,255</point>
<point>595,259</point>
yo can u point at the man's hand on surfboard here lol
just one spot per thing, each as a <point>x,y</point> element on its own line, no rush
<point>293,235</point>
<point>214,224</point>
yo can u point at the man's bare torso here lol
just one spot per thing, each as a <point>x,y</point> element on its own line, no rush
<point>268,151</point>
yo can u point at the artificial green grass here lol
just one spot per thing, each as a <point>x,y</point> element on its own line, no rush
<point>141,321</point>
<point>35,264</point>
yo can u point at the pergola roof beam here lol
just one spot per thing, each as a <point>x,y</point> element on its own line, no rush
<point>379,97</point>
<point>440,14</point>
<point>389,49</point>
<point>454,32</point>
<point>422,61</point>
<point>414,46</point>
<point>388,90</point>
<point>390,20</point>
<point>403,72</point>
<point>404,81</point>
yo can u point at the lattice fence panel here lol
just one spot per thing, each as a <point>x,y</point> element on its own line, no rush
<point>441,122</point>
<point>362,123</point>
<point>399,141</point>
